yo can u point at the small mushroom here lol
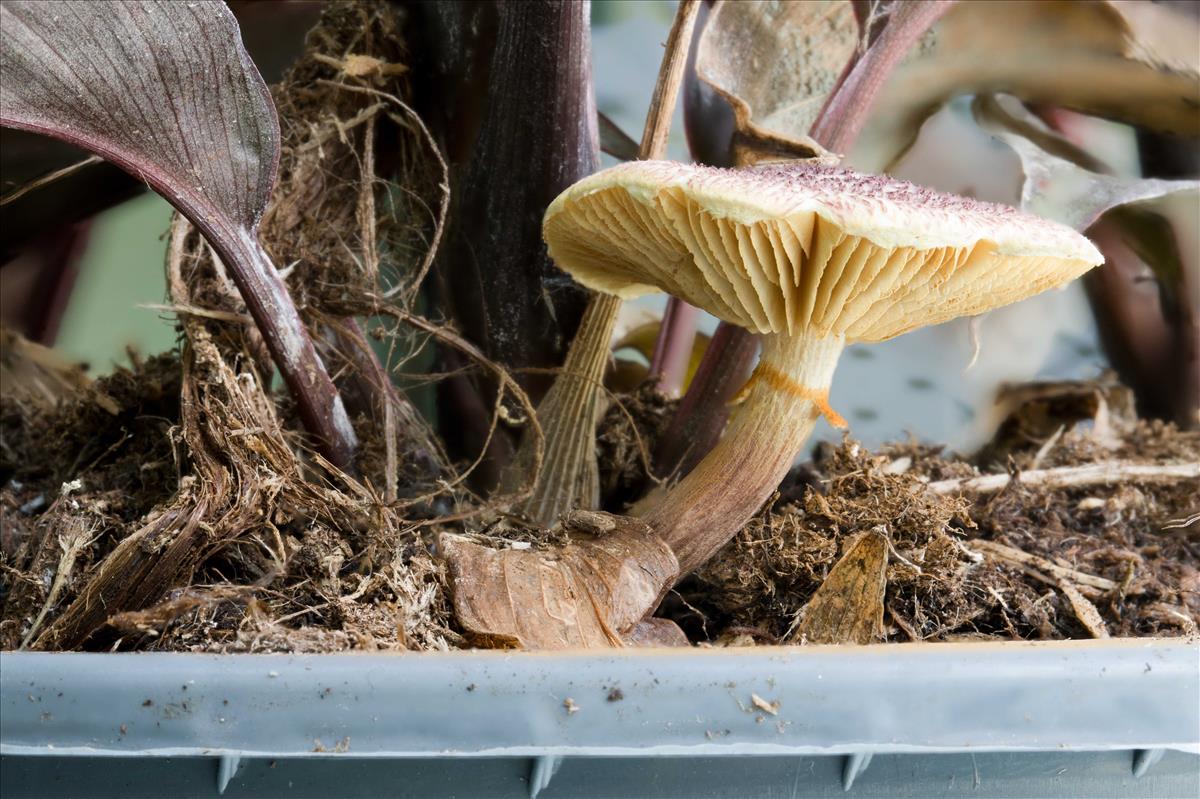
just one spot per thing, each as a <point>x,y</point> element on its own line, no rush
<point>812,257</point>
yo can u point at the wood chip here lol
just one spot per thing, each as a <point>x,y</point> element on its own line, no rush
<point>1105,473</point>
<point>1176,616</point>
<point>764,705</point>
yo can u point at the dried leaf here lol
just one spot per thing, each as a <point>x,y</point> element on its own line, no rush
<point>1132,62</point>
<point>166,91</point>
<point>848,607</point>
<point>774,63</point>
<point>654,632</point>
<point>586,594</point>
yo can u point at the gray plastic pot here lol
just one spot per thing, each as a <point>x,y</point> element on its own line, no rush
<point>1104,718</point>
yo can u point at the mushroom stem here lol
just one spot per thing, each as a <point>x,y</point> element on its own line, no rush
<point>775,413</point>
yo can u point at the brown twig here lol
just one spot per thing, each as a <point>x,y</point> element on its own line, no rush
<point>666,88</point>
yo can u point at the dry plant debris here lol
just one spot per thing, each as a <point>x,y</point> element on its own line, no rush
<point>316,568</point>
<point>1025,561</point>
<point>172,506</point>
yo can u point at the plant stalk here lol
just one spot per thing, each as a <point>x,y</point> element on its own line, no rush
<point>673,347</point>
<point>505,90</point>
<point>846,110</point>
<point>687,439</point>
<point>291,347</point>
<point>568,412</point>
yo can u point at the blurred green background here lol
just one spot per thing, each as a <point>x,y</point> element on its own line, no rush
<point>121,270</point>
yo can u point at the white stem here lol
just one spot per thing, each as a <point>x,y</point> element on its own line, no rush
<point>1091,474</point>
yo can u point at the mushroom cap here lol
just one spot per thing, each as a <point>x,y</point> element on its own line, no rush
<point>783,248</point>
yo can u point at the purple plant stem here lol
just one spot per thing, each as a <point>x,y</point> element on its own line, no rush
<point>506,89</point>
<point>692,432</point>
<point>673,347</point>
<point>318,402</point>
<point>702,413</point>
<point>843,117</point>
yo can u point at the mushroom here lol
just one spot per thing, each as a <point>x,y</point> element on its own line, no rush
<point>812,258</point>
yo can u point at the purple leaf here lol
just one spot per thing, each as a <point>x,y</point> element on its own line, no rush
<point>1062,182</point>
<point>166,91</point>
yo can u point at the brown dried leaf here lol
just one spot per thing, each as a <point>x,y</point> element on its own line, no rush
<point>848,607</point>
<point>1132,62</point>
<point>584,595</point>
<point>774,63</point>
